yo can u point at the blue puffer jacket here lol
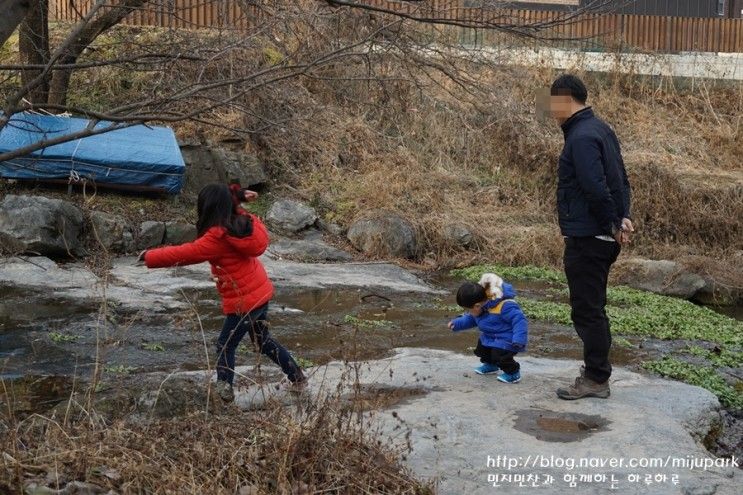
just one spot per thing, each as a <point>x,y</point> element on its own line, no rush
<point>505,329</point>
<point>593,193</point>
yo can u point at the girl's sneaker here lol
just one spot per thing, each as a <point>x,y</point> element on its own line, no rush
<point>224,390</point>
<point>297,387</point>
<point>486,369</point>
<point>510,377</point>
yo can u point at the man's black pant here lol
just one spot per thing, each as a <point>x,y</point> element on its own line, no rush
<point>587,262</point>
<point>499,357</point>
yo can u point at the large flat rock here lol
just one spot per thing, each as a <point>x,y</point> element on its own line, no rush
<point>44,279</point>
<point>30,272</point>
<point>470,433</point>
<point>132,286</point>
<point>283,273</point>
<point>384,276</point>
<point>466,429</point>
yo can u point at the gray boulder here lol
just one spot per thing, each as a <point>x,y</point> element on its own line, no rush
<point>384,234</point>
<point>151,234</point>
<point>205,165</point>
<point>331,227</point>
<point>242,166</point>
<point>458,234</point>
<point>128,240</point>
<point>663,277</point>
<point>110,232</point>
<point>178,232</point>
<point>289,216</point>
<point>307,250</point>
<point>37,224</point>
<point>718,294</point>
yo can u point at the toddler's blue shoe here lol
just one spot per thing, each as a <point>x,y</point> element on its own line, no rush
<point>486,369</point>
<point>510,377</point>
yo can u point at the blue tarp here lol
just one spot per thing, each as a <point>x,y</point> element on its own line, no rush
<point>137,157</point>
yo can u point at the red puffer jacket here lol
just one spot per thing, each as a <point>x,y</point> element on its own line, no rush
<point>241,279</point>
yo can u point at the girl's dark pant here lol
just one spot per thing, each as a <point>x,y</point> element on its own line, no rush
<point>254,324</point>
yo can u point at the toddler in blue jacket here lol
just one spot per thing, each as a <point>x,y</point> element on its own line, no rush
<point>502,324</point>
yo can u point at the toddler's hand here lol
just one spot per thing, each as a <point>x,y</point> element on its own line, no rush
<point>451,325</point>
<point>140,258</point>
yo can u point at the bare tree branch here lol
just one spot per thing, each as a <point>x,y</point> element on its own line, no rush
<point>136,113</point>
<point>200,76</point>
<point>143,59</point>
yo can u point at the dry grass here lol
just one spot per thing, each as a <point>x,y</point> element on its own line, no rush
<point>326,447</point>
<point>439,161</point>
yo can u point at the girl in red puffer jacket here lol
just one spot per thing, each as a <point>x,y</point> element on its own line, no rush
<point>231,240</point>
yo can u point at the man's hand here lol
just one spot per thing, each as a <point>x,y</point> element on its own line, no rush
<point>623,235</point>
<point>451,325</point>
<point>140,258</point>
<point>626,232</point>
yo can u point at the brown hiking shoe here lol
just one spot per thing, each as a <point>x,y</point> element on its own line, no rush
<point>584,387</point>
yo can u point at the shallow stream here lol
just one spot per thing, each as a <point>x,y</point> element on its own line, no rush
<point>40,335</point>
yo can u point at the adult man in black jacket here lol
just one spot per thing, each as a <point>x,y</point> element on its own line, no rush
<point>593,203</point>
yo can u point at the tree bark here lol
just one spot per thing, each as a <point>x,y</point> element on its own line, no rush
<point>13,12</point>
<point>33,45</point>
<point>100,24</point>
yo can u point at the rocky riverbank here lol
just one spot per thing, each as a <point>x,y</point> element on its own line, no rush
<point>59,228</point>
<point>363,329</point>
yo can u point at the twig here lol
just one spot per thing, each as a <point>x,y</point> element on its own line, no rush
<point>206,353</point>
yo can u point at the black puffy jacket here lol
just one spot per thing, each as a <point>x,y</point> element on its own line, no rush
<point>593,193</point>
